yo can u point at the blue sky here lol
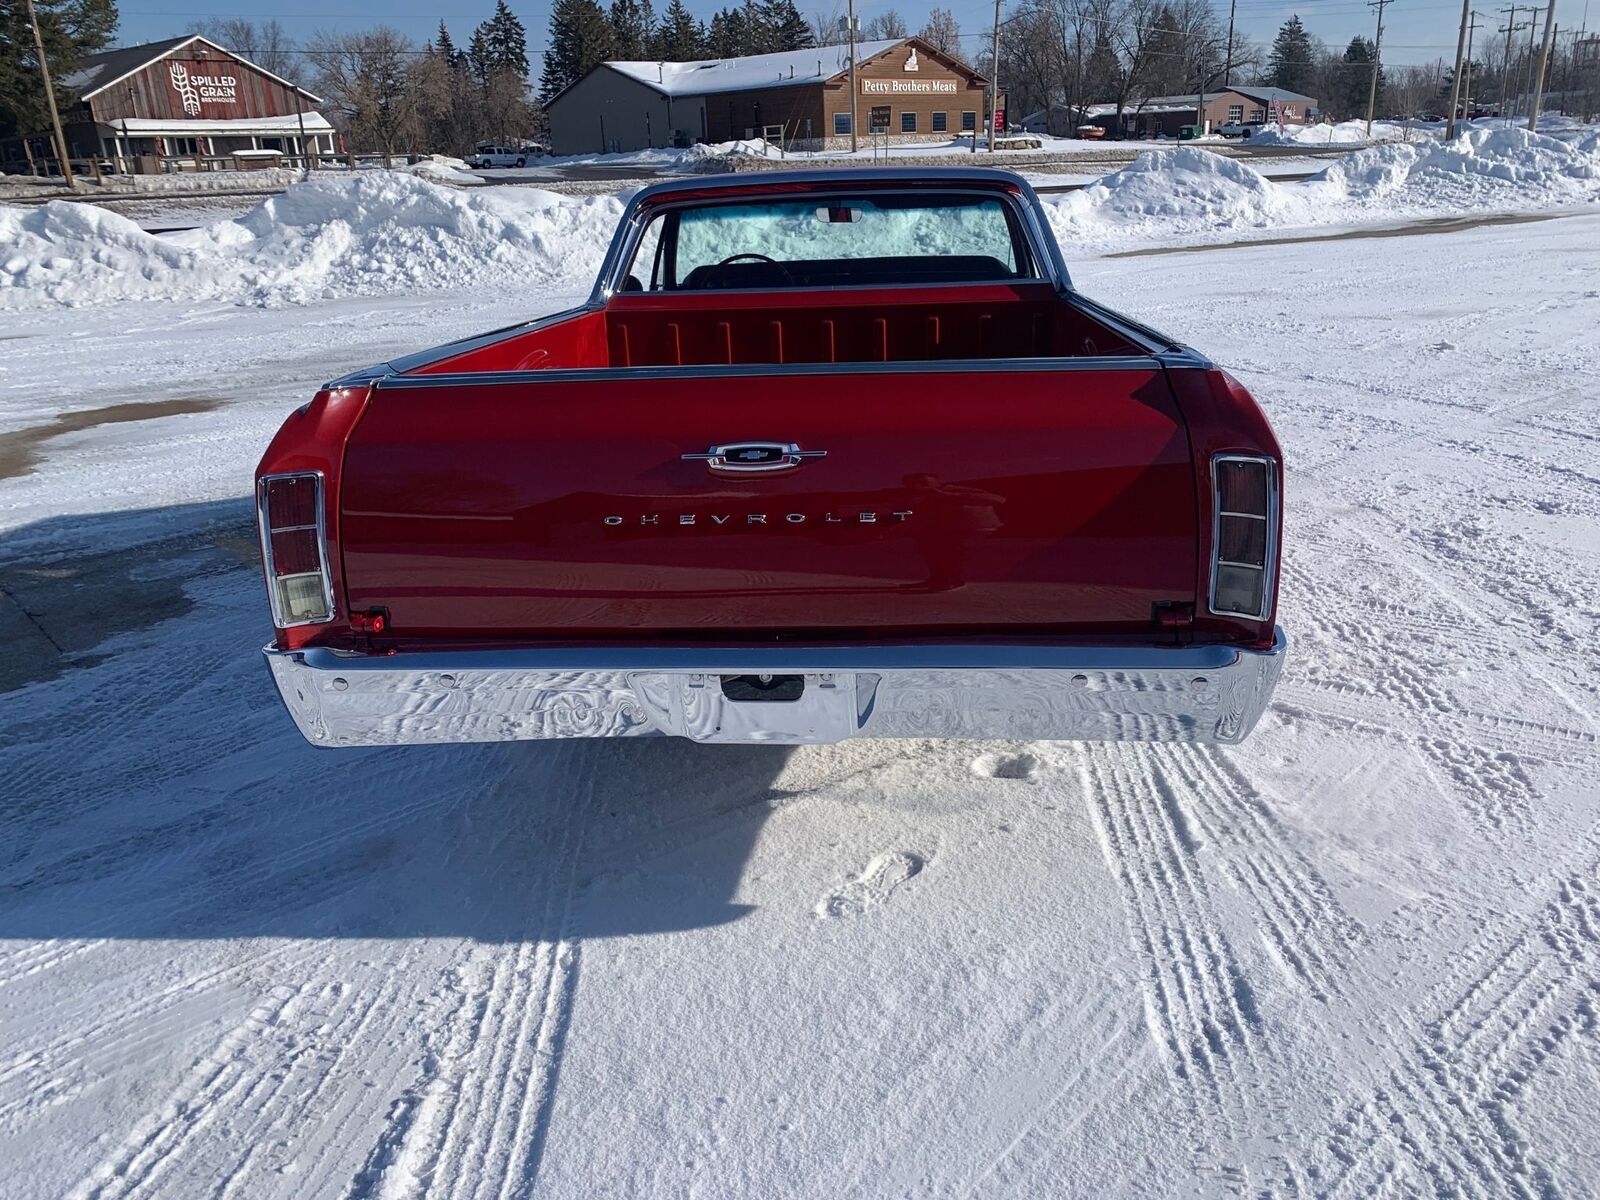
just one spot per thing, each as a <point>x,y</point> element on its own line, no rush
<point>1416,31</point>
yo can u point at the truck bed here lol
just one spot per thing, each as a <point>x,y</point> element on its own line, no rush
<point>978,323</point>
<point>537,485</point>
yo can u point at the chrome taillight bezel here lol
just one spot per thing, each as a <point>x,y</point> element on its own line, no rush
<point>1269,562</point>
<point>265,530</point>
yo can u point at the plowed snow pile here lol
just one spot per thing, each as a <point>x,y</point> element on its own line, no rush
<point>1482,167</point>
<point>1345,133</point>
<point>1185,191</point>
<point>393,232</point>
<point>1191,194</point>
<point>369,234</point>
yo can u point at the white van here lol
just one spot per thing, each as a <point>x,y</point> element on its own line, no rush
<point>487,154</point>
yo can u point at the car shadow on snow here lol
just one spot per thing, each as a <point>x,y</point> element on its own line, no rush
<point>154,788</point>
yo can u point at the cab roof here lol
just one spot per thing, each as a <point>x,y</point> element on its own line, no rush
<point>778,183</point>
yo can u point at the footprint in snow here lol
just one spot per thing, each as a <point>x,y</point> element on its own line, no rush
<point>873,886</point>
<point>1006,766</point>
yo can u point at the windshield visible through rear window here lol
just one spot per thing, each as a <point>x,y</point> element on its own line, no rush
<point>830,242</point>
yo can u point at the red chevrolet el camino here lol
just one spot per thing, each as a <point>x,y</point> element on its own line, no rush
<point>825,455</point>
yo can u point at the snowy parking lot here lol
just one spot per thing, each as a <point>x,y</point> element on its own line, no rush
<point>1358,955</point>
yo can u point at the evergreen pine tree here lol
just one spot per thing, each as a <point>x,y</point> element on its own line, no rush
<point>1350,99</point>
<point>1101,71</point>
<point>69,29</point>
<point>629,36</point>
<point>787,29</point>
<point>505,42</point>
<point>580,38</point>
<point>1291,65</point>
<point>756,37</point>
<point>478,56</point>
<point>679,37</point>
<point>1165,51</point>
<point>728,34</point>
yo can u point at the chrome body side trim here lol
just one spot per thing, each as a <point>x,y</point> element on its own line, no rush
<point>971,366</point>
<point>1206,693</point>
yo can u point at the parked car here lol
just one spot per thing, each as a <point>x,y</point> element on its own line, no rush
<point>1239,129</point>
<point>1091,131</point>
<point>486,155</point>
<point>826,454</point>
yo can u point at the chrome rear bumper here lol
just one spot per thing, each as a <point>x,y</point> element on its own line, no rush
<point>1103,693</point>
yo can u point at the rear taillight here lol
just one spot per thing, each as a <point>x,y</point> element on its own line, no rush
<point>1244,534</point>
<point>294,547</point>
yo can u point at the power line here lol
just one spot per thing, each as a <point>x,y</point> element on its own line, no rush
<point>1377,62</point>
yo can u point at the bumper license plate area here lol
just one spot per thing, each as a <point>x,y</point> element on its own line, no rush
<point>763,688</point>
<point>787,709</point>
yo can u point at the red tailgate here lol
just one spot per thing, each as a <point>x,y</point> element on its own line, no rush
<point>1057,500</point>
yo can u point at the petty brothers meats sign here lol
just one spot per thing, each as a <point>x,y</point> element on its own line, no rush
<point>904,87</point>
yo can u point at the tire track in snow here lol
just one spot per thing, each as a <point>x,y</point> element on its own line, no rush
<point>317,1062</point>
<point>207,1089</point>
<point>115,1031</point>
<point>61,1069</point>
<point>43,956</point>
<point>1302,923</point>
<point>1199,1006</point>
<point>473,1120</point>
<point>1447,1106</point>
<point>1491,782</point>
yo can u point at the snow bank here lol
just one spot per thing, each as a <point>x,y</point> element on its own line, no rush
<point>1481,167</point>
<point>1173,193</point>
<point>363,234</point>
<point>1190,194</point>
<point>1345,133</point>
<point>388,232</point>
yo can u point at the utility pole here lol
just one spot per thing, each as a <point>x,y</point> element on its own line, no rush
<point>1509,28</point>
<point>1466,83</point>
<point>1377,62</point>
<point>1544,60</point>
<point>854,140</point>
<point>1527,72</point>
<point>1455,79</point>
<point>50,96</point>
<point>1227,65</point>
<point>994,77</point>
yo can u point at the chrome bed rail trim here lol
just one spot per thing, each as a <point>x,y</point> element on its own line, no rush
<point>1208,693</point>
<point>970,366</point>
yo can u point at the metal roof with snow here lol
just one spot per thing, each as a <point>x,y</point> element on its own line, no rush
<point>1262,95</point>
<point>788,68</point>
<point>96,72</point>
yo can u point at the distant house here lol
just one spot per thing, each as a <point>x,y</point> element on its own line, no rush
<point>1161,116</point>
<point>183,98</point>
<point>906,91</point>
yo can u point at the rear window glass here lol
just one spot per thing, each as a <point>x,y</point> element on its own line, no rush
<point>830,241</point>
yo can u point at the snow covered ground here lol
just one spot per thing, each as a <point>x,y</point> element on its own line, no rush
<point>1358,955</point>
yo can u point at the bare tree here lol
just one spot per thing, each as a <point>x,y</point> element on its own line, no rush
<point>264,43</point>
<point>942,33</point>
<point>886,25</point>
<point>362,78</point>
<point>827,25</point>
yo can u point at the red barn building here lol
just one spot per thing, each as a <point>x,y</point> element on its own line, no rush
<point>184,99</point>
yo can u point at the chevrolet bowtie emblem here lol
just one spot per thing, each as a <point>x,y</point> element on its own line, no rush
<point>742,457</point>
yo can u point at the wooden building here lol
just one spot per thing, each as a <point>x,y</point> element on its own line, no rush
<point>905,90</point>
<point>184,99</point>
